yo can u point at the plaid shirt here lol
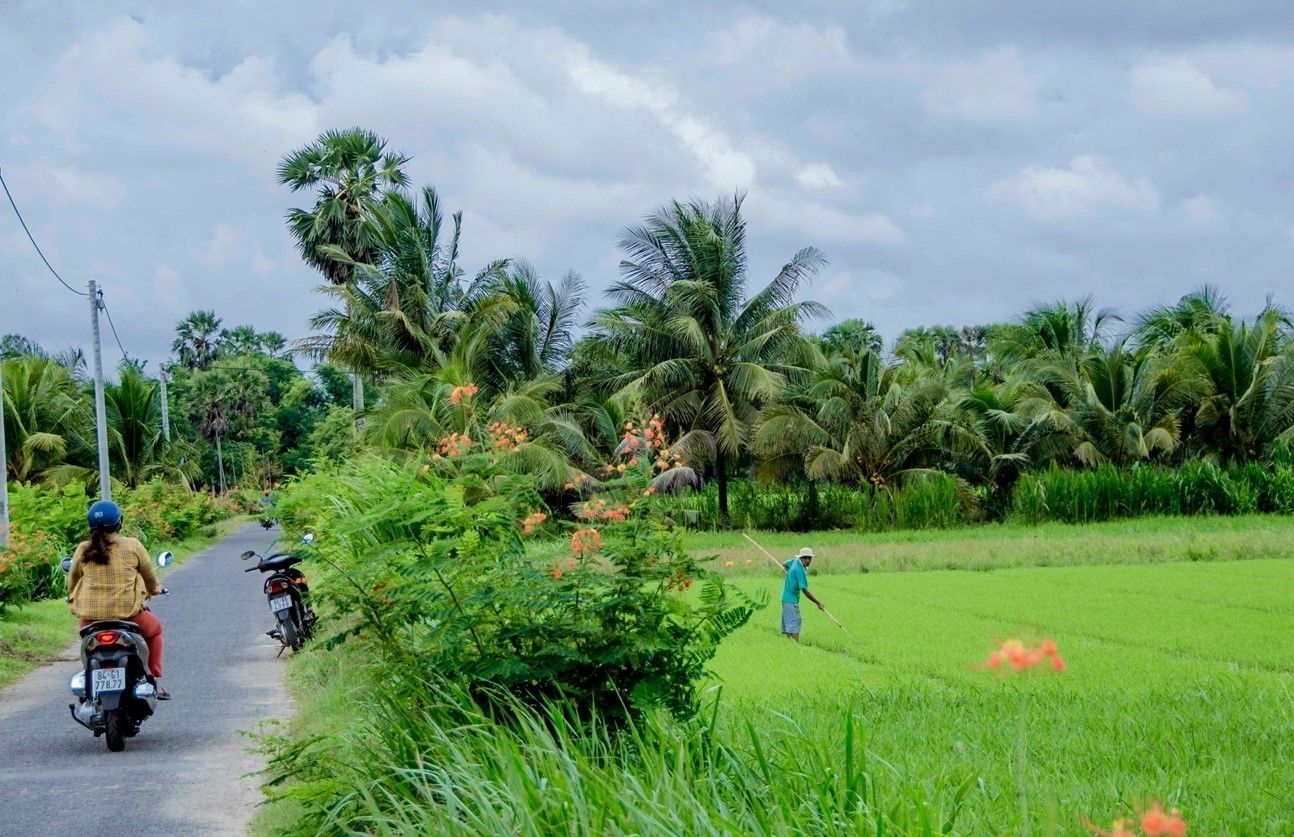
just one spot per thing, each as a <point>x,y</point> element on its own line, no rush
<point>117,589</point>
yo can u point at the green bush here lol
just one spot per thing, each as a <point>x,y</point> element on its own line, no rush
<point>432,565</point>
<point>48,522</point>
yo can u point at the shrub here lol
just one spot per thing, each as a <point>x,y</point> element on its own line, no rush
<point>433,567</point>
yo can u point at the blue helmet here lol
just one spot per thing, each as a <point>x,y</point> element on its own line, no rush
<point>104,514</point>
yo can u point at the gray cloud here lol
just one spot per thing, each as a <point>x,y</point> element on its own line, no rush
<point>954,161</point>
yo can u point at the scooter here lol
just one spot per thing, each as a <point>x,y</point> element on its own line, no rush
<point>288,595</point>
<point>114,691</point>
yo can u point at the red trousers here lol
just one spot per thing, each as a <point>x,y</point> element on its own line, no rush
<point>150,628</point>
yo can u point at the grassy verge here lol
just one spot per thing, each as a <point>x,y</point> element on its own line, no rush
<point>1147,540</point>
<point>35,633</point>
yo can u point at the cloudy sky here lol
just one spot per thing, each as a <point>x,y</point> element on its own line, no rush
<point>955,161</point>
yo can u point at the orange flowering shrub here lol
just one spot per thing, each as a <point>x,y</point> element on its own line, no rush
<point>533,522</point>
<point>1014,656</point>
<point>457,394</point>
<point>648,442</point>
<point>602,509</point>
<point>454,445</point>
<point>586,542</point>
<point>507,437</point>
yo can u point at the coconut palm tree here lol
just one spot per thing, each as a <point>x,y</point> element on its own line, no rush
<point>538,336</point>
<point>859,421</point>
<point>47,422</point>
<point>348,169</point>
<point>1197,313</point>
<point>135,439</point>
<point>1067,329</point>
<point>703,352</point>
<point>197,340</point>
<point>405,306</point>
<point>1249,372</point>
<point>1123,407</point>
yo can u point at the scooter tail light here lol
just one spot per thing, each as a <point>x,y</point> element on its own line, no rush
<point>107,637</point>
<point>278,587</point>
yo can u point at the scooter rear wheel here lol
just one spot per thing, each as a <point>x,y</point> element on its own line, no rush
<point>114,730</point>
<point>288,633</point>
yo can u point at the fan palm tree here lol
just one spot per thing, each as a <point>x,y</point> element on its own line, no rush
<point>197,340</point>
<point>855,333</point>
<point>702,352</point>
<point>348,169</point>
<point>241,340</point>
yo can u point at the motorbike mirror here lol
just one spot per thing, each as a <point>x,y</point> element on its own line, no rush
<point>165,558</point>
<point>308,538</point>
<point>248,554</point>
<point>66,564</point>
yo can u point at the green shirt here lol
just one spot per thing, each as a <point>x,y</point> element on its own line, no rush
<point>797,579</point>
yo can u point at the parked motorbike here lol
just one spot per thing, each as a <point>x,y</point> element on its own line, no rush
<point>114,691</point>
<point>288,595</point>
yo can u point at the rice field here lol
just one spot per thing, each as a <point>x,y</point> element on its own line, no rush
<point>1179,684</point>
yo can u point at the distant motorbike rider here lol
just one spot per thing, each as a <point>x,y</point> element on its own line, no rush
<point>112,577</point>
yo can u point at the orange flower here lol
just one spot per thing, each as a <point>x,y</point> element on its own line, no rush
<point>556,572</point>
<point>1022,658</point>
<point>1154,822</point>
<point>532,522</point>
<point>633,463</point>
<point>586,542</point>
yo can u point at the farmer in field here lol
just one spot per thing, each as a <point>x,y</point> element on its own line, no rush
<point>797,582</point>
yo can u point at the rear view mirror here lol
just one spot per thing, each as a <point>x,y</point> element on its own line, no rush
<point>165,558</point>
<point>247,554</point>
<point>66,564</point>
<point>308,538</point>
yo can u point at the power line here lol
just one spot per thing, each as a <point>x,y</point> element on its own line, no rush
<point>104,305</point>
<point>33,240</point>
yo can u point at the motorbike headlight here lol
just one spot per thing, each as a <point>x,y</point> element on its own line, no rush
<point>77,686</point>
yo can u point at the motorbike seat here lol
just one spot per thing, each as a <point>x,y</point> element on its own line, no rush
<point>275,563</point>
<point>109,625</point>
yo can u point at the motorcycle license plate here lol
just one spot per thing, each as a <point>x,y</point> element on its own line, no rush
<point>281,603</point>
<point>107,680</point>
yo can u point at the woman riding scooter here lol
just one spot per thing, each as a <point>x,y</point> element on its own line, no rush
<point>112,577</point>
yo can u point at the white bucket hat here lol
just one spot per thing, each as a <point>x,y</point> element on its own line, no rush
<point>804,553</point>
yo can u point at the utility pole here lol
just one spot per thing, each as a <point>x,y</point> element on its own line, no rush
<point>220,463</point>
<point>100,412</point>
<point>166,409</point>
<point>4,471</point>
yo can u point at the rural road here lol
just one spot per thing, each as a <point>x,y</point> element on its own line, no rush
<point>185,771</point>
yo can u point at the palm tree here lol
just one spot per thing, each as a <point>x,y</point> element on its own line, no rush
<point>1249,371</point>
<point>539,333</point>
<point>407,304</point>
<point>1122,407</point>
<point>274,345</point>
<point>858,421</point>
<point>47,422</point>
<point>135,439</point>
<point>1058,329</point>
<point>702,352</point>
<point>1197,313</point>
<point>197,340</point>
<point>241,340</point>
<point>856,334</point>
<point>348,169</point>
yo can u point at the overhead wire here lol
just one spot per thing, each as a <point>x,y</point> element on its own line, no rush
<point>32,239</point>
<point>104,305</point>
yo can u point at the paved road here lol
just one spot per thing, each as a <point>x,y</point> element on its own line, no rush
<point>185,771</point>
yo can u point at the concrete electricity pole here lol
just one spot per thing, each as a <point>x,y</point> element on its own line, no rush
<point>4,471</point>
<point>100,412</point>
<point>166,409</point>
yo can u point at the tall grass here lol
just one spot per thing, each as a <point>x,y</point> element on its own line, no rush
<point>1107,493</point>
<point>432,763</point>
<point>935,501</point>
